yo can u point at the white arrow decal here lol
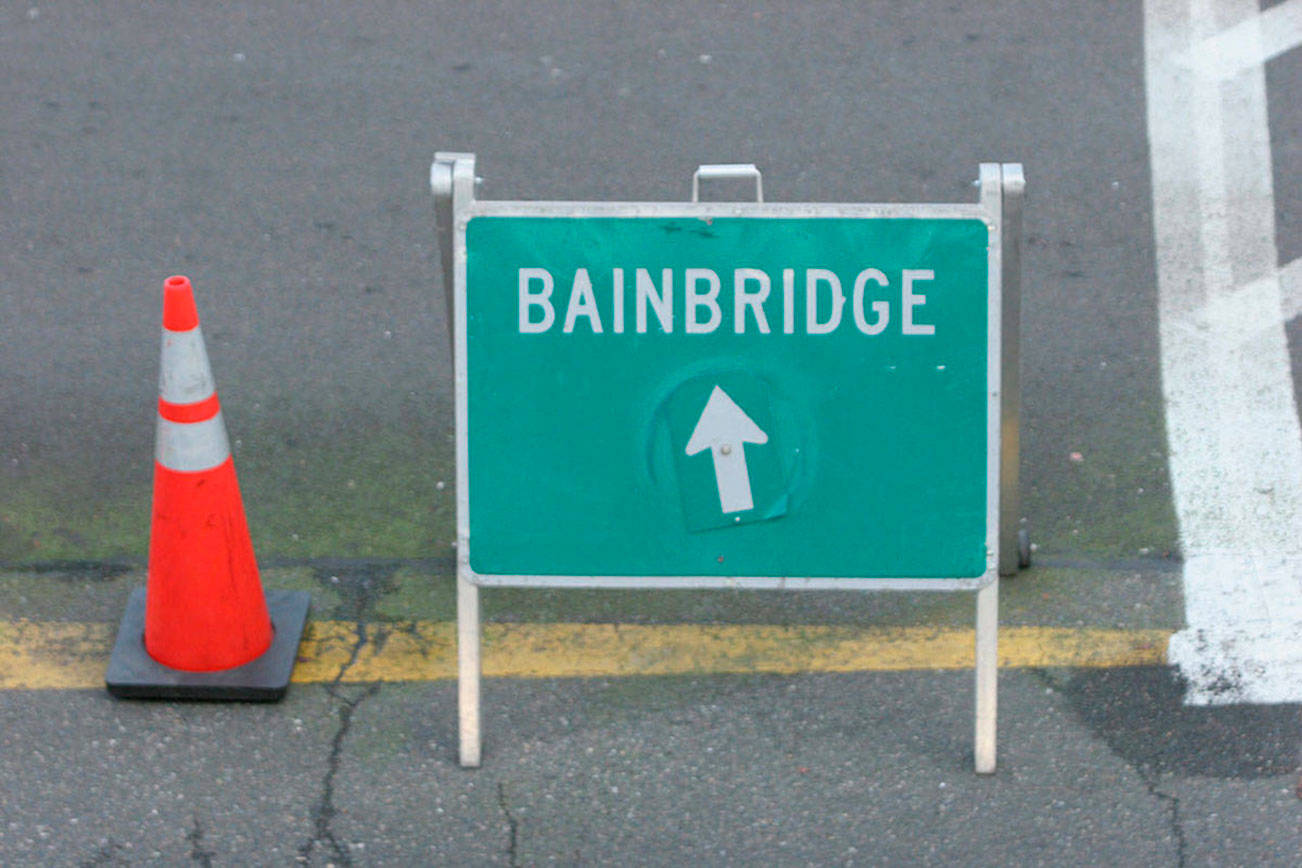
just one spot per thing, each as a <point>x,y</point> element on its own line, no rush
<point>723,428</point>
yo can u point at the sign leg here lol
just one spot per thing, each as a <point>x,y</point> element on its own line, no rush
<point>1012,554</point>
<point>987,675</point>
<point>468,671</point>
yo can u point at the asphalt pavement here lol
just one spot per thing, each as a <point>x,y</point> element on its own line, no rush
<point>278,155</point>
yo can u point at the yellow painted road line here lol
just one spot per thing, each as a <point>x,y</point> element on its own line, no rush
<point>50,655</point>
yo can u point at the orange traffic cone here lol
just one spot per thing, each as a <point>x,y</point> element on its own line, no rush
<point>203,628</point>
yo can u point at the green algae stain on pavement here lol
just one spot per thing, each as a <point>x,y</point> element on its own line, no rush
<point>50,515</point>
<point>384,492</point>
<point>1106,495</point>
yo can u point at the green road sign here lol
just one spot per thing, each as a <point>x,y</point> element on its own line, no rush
<point>704,395</point>
<point>695,395</point>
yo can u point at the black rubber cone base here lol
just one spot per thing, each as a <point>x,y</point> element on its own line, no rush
<point>133,674</point>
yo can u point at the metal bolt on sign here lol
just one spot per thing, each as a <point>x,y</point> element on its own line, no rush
<point>734,394</point>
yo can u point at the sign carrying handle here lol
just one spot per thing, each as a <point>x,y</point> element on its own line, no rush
<point>727,172</point>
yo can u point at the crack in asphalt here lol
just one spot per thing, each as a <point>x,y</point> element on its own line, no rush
<point>359,584</point>
<point>109,853</point>
<point>382,631</point>
<point>1173,808</point>
<point>195,837</point>
<point>513,826</point>
<point>1147,774</point>
<point>324,812</point>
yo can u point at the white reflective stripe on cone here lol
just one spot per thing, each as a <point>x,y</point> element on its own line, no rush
<point>184,376</point>
<point>191,446</point>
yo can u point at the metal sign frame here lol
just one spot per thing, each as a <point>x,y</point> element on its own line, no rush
<point>453,181</point>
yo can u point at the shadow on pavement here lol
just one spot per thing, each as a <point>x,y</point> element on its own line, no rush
<point>1139,712</point>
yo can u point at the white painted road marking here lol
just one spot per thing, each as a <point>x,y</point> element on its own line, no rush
<point>723,429</point>
<point>1232,421</point>
<point>1249,43</point>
